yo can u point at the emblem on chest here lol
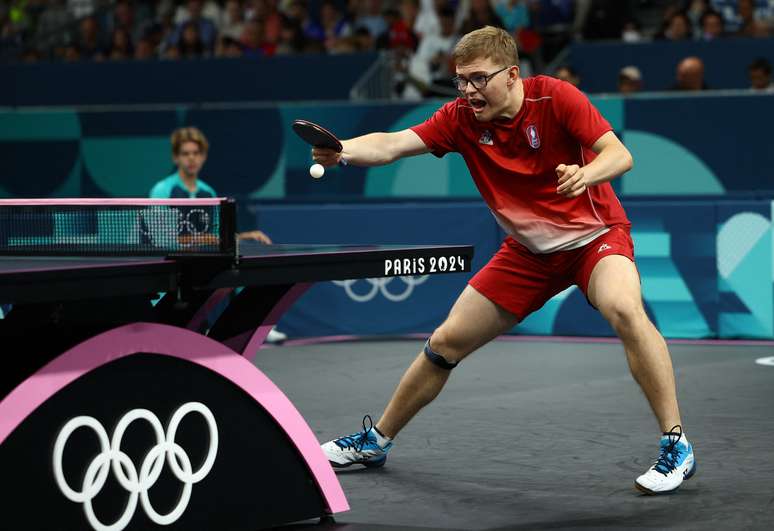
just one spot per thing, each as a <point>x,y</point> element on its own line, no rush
<point>532,136</point>
<point>486,138</point>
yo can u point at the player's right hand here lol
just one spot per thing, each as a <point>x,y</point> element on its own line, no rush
<point>326,156</point>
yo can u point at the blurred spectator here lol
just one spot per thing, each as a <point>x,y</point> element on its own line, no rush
<point>125,17</point>
<point>696,9</point>
<point>191,45</point>
<point>631,32</point>
<point>759,72</point>
<point>746,17</point>
<point>205,27</point>
<point>270,15</point>
<point>88,39</point>
<point>431,66</point>
<point>690,75</point>
<point>427,22</point>
<point>481,14</point>
<point>144,50</point>
<point>568,73</point>
<point>334,25</point>
<point>369,16</point>
<point>712,25</point>
<point>232,23</point>
<point>31,55</point>
<point>121,47</point>
<point>171,53</point>
<point>629,80</point>
<point>555,22</point>
<point>208,9</point>
<point>72,53</point>
<point>299,12</point>
<point>81,8</point>
<point>291,38</point>
<point>159,32</point>
<point>750,23</point>
<point>677,27</point>
<point>399,35</point>
<point>253,40</point>
<point>362,40</point>
<point>230,48</point>
<point>605,19</point>
<point>52,21</point>
<point>513,13</point>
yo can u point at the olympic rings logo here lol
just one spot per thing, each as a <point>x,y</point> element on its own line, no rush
<point>137,484</point>
<point>381,285</point>
<point>165,223</point>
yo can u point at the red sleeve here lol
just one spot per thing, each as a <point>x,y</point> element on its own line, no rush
<point>577,115</point>
<point>437,132</point>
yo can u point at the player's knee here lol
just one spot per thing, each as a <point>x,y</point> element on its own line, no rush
<point>442,352</point>
<point>623,313</point>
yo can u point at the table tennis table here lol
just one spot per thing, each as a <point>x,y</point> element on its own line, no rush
<point>129,395</point>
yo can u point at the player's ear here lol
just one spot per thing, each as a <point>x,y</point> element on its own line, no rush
<point>513,75</point>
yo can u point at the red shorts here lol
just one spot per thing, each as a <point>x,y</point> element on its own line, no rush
<point>521,281</point>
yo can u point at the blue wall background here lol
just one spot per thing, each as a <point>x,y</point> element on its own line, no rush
<point>725,62</point>
<point>193,81</point>
<point>709,145</point>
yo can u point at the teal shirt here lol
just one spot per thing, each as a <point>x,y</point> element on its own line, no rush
<point>172,187</point>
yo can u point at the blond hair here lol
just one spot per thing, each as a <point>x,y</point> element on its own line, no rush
<point>487,42</point>
<point>188,134</point>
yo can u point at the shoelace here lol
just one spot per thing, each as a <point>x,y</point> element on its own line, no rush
<point>356,440</point>
<point>667,459</point>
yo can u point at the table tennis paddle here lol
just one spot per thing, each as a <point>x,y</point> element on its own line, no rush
<point>317,136</point>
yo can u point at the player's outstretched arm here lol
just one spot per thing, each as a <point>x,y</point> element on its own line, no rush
<point>374,149</point>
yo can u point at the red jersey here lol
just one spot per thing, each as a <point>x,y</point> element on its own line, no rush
<point>513,163</point>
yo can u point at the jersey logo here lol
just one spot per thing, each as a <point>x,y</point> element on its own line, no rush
<point>486,138</point>
<point>532,136</point>
<point>603,247</point>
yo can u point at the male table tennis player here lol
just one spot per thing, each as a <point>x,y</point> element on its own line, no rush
<point>189,153</point>
<point>542,157</point>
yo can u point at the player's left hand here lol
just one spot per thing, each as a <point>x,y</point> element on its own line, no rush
<point>572,180</point>
<point>255,235</point>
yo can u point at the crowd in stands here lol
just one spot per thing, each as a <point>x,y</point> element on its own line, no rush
<point>421,33</point>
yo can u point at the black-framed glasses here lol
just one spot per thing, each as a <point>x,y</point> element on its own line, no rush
<point>478,80</point>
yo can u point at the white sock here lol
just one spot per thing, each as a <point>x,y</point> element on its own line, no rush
<point>381,440</point>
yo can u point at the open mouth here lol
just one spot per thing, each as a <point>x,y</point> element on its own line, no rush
<point>478,104</point>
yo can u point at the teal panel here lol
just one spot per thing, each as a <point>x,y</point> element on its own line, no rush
<point>672,288</point>
<point>420,176</point>
<point>661,166</point>
<point>651,243</point>
<point>751,282</point>
<point>127,167</point>
<point>31,125</point>
<point>733,325</point>
<point>679,319</point>
<point>542,321</point>
<point>612,108</point>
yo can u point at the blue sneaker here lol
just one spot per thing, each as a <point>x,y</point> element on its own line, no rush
<point>357,449</point>
<point>674,465</point>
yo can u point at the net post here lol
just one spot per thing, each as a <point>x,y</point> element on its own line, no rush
<point>228,232</point>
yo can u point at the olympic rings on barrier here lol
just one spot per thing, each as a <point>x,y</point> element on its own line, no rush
<point>381,285</point>
<point>125,471</point>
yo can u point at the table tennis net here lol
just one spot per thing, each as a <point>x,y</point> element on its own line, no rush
<point>119,227</point>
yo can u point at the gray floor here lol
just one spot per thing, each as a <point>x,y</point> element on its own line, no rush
<point>536,435</point>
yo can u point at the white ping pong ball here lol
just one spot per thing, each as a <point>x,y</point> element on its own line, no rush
<point>316,171</point>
